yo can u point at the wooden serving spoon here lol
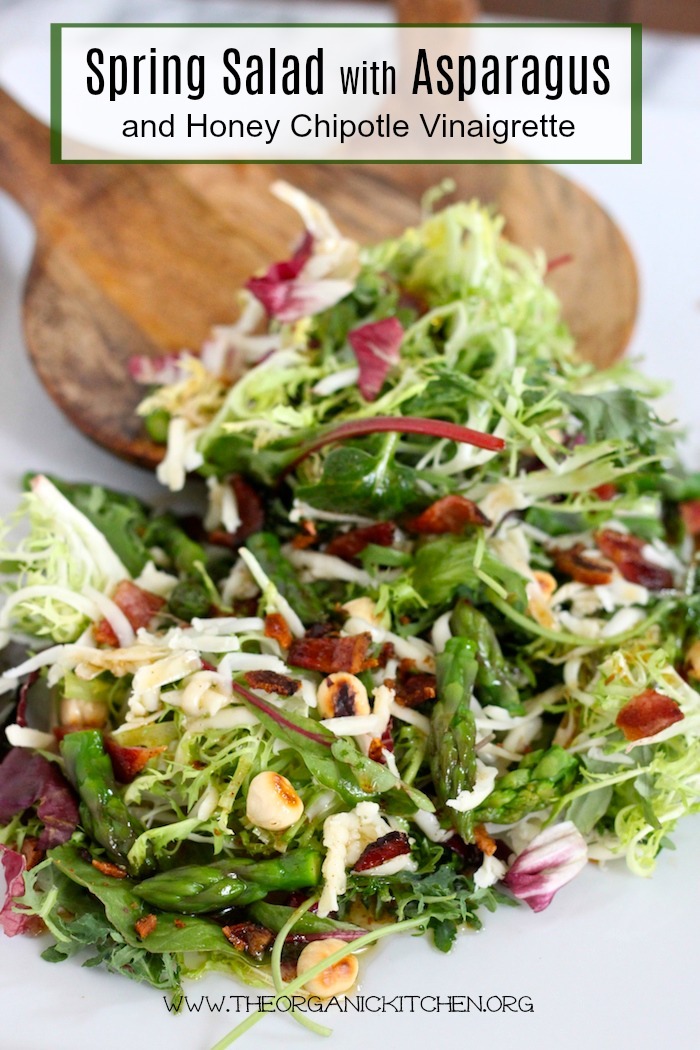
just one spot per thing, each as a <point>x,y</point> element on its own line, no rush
<point>144,259</point>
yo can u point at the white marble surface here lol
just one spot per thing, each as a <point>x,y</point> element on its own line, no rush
<point>612,963</point>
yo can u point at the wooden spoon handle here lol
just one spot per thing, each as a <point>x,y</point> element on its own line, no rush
<point>25,171</point>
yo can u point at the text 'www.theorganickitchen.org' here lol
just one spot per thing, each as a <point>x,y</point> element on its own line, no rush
<point>370,1004</point>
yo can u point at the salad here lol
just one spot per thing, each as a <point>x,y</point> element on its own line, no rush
<point>432,647</point>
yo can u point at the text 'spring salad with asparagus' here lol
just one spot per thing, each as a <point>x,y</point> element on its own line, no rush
<point>435,644</point>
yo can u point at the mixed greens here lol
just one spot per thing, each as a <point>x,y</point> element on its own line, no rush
<point>434,644</point>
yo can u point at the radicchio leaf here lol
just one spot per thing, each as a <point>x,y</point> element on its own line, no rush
<point>553,858</point>
<point>161,370</point>
<point>14,866</point>
<point>376,347</point>
<point>28,779</point>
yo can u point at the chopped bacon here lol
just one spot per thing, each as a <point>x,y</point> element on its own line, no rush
<point>574,562</point>
<point>128,762</point>
<point>377,348</point>
<point>449,514</point>
<point>626,552</point>
<point>306,537</point>
<point>647,714</point>
<point>249,937</point>
<point>347,545</point>
<point>272,682</point>
<point>413,687</point>
<point>394,844</point>
<point>386,653</point>
<point>145,926</point>
<point>690,513</point>
<point>138,606</point>
<point>606,492</point>
<point>277,627</point>
<point>31,851</point>
<point>380,744</point>
<point>250,511</point>
<point>332,654</point>
<point>105,867</point>
<point>327,629</point>
<point>483,840</point>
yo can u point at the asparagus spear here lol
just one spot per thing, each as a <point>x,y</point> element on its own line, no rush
<point>541,778</point>
<point>494,678</point>
<point>451,743</point>
<point>265,547</point>
<point>198,888</point>
<point>103,812</point>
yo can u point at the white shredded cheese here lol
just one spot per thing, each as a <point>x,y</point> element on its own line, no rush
<point>483,786</point>
<point>317,566</point>
<point>181,456</point>
<point>223,506</point>
<point>491,871</point>
<point>23,736</point>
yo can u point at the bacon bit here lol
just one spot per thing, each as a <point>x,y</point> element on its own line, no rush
<point>128,762</point>
<point>115,871</point>
<point>347,545</point>
<point>470,853</point>
<point>376,347</point>
<point>573,561</point>
<point>307,537</point>
<point>606,492</point>
<point>323,630</point>
<point>250,511</point>
<point>449,514</point>
<point>626,552</point>
<point>382,743</point>
<point>375,751</point>
<point>394,844</point>
<point>249,937</point>
<point>413,687</point>
<point>145,926</point>
<point>386,653</point>
<point>138,606</point>
<point>647,714</point>
<point>690,513</point>
<point>31,851</point>
<point>483,840</point>
<point>288,968</point>
<point>272,682</point>
<point>277,627</point>
<point>332,654</point>
<point>179,924</point>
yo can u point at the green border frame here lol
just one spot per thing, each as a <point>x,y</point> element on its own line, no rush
<point>56,132</point>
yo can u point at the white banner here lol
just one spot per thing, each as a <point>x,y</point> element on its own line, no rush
<point>336,93</point>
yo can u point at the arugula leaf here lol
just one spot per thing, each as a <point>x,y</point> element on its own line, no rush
<point>444,895</point>
<point>358,482</point>
<point>445,565</point>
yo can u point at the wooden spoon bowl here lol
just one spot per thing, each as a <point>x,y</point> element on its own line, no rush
<point>144,259</point>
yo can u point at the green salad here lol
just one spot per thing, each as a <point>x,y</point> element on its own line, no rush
<point>432,647</point>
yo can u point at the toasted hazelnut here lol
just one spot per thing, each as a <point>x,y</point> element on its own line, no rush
<point>272,803</point>
<point>91,714</point>
<point>363,609</point>
<point>334,980</point>
<point>342,694</point>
